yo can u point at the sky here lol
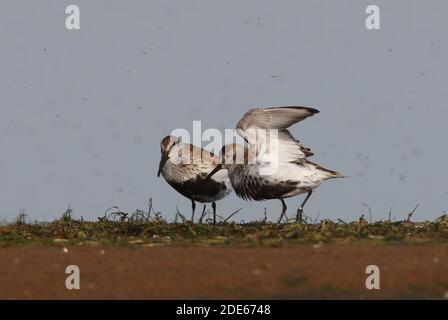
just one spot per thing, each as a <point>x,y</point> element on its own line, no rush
<point>82,112</point>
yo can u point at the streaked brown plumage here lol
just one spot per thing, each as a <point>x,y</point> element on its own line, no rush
<point>185,166</point>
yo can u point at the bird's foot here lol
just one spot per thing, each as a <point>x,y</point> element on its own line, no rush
<point>281,218</point>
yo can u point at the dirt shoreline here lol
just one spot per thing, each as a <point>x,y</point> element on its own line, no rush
<point>292,272</point>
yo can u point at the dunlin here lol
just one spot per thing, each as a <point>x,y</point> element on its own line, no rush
<point>185,167</point>
<point>253,178</point>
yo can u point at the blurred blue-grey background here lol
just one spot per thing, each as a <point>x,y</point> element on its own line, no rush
<point>82,112</point>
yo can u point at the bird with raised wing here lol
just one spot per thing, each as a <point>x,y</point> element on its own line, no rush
<point>275,164</point>
<point>185,167</point>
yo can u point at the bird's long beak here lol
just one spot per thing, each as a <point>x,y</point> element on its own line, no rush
<point>217,168</point>
<point>163,160</point>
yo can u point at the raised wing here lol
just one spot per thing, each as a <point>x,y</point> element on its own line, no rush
<point>266,129</point>
<point>277,117</point>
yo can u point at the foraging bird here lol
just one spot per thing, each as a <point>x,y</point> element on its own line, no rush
<point>185,167</point>
<point>275,165</point>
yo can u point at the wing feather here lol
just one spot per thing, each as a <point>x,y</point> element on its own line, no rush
<point>284,147</point>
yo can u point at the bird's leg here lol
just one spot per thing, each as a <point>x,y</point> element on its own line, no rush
<point>214,212</point>
<point>299,218</point>
<point>193,207</point>
<point>203,214</point>
<point>283,211</point>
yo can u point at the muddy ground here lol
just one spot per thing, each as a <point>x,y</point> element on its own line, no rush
<point>293,272</point>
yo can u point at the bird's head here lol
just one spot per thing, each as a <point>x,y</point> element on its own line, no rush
<point>168,145</point>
